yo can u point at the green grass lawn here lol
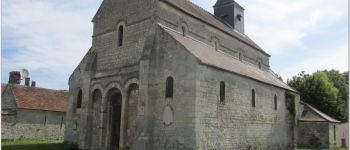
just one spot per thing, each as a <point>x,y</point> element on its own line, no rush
<point>36,145</point>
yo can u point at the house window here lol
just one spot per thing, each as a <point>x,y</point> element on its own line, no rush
<point>216,45</point>
<point>275,101</point>
<point>120,35</point>
<point>253,98</point>
<point>79,99</point>
<point>169,87</point>
<point>222,92</point>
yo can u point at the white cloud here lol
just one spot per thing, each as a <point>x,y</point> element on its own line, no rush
<point>280,24</point>
<point>48,37</point>
<point>286,22</point>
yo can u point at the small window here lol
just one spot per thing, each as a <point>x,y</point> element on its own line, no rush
<point>120,35</point>
<point>259,64</point>
<point>79,99</point>
<point>222,92</point>
<point>216,45</point>
<point>275,101</point>
<point>239,17</point>
<point>253,98</point>
<point>183,29</point>
<point>335,133</point>
<point>240,56</point>
<point>169,87</point>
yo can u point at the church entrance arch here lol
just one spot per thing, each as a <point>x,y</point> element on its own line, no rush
<point>114,119</point>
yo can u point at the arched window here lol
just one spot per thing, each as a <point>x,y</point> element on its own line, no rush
<point>216,45</point>
<point>120,35</point>
<point>240,56</point>
<point>253,98</point>
<point>169,87</point>
<point>275,101</point>
<point>259,64</point>
<point>79,99</point>
<point>222,92</point>
<point>183,29</point>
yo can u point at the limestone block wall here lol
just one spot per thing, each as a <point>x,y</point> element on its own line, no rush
<point>315,135</point>
<point>342,135</point>
<point>173,125</point>
<point>33,124</point>
<point>135,16</point>
<point>174,18</point>
<point>236,124</point>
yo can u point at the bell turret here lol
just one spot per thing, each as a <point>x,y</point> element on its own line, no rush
<point>231,13</point>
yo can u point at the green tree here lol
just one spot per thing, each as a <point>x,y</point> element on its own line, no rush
<point>320,90</point>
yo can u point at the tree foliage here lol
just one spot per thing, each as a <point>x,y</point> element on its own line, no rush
<point>325,90</point>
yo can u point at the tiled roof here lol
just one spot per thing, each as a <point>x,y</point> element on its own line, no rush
<point>197,12</point>
<point>39,98</point>
<point>309,113</point>
<point>207,55</point>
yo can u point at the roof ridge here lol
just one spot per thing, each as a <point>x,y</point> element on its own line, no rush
<point>40,88</point>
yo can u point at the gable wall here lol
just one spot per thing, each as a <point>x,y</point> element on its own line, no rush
<point>236,124</point>
<point>174,18</point>
<point>169,58</point>
<point>136,17</point>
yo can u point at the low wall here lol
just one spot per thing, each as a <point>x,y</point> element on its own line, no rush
<point>33,124</point>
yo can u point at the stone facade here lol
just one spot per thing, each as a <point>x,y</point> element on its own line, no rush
<point>32,113</point>
<point>33,124</point>
<point>342,135</point>
<point>157,93</point>
<point>317,135</point>
<point>317,130</point>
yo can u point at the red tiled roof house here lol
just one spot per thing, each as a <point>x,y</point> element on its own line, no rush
<point>32,113</point>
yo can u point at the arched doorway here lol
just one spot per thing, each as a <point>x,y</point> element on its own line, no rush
<point>114,113</point>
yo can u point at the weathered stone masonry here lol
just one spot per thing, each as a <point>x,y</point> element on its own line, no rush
<point>165,39</point>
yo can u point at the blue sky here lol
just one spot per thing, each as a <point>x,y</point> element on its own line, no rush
<point>49,38</point>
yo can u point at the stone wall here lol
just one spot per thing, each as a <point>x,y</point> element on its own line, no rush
<point>315,135</point>
<point>106,62</point>
<point>173,119</point>
<point>33,124</point>
<point>235,124</point>
<point>342,134</point>
<point>173,18</point>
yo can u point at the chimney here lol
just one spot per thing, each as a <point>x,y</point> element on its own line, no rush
<point>231,13</point>
<point>27,81</point>
<point>33,84</point>
<point>15,77</point>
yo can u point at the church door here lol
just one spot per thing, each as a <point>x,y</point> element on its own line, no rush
<point>115,118</point>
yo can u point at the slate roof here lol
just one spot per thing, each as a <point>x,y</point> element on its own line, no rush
<point>207,55</point>
<point>311,114</point>
<point>38,98</point>
<point>197,12</point>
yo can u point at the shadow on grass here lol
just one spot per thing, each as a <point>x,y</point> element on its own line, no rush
<point>55,146</point>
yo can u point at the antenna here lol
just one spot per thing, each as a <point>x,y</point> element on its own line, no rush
<point>24,73</point>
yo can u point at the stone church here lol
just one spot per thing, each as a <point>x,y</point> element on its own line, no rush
<point>168,75</point>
